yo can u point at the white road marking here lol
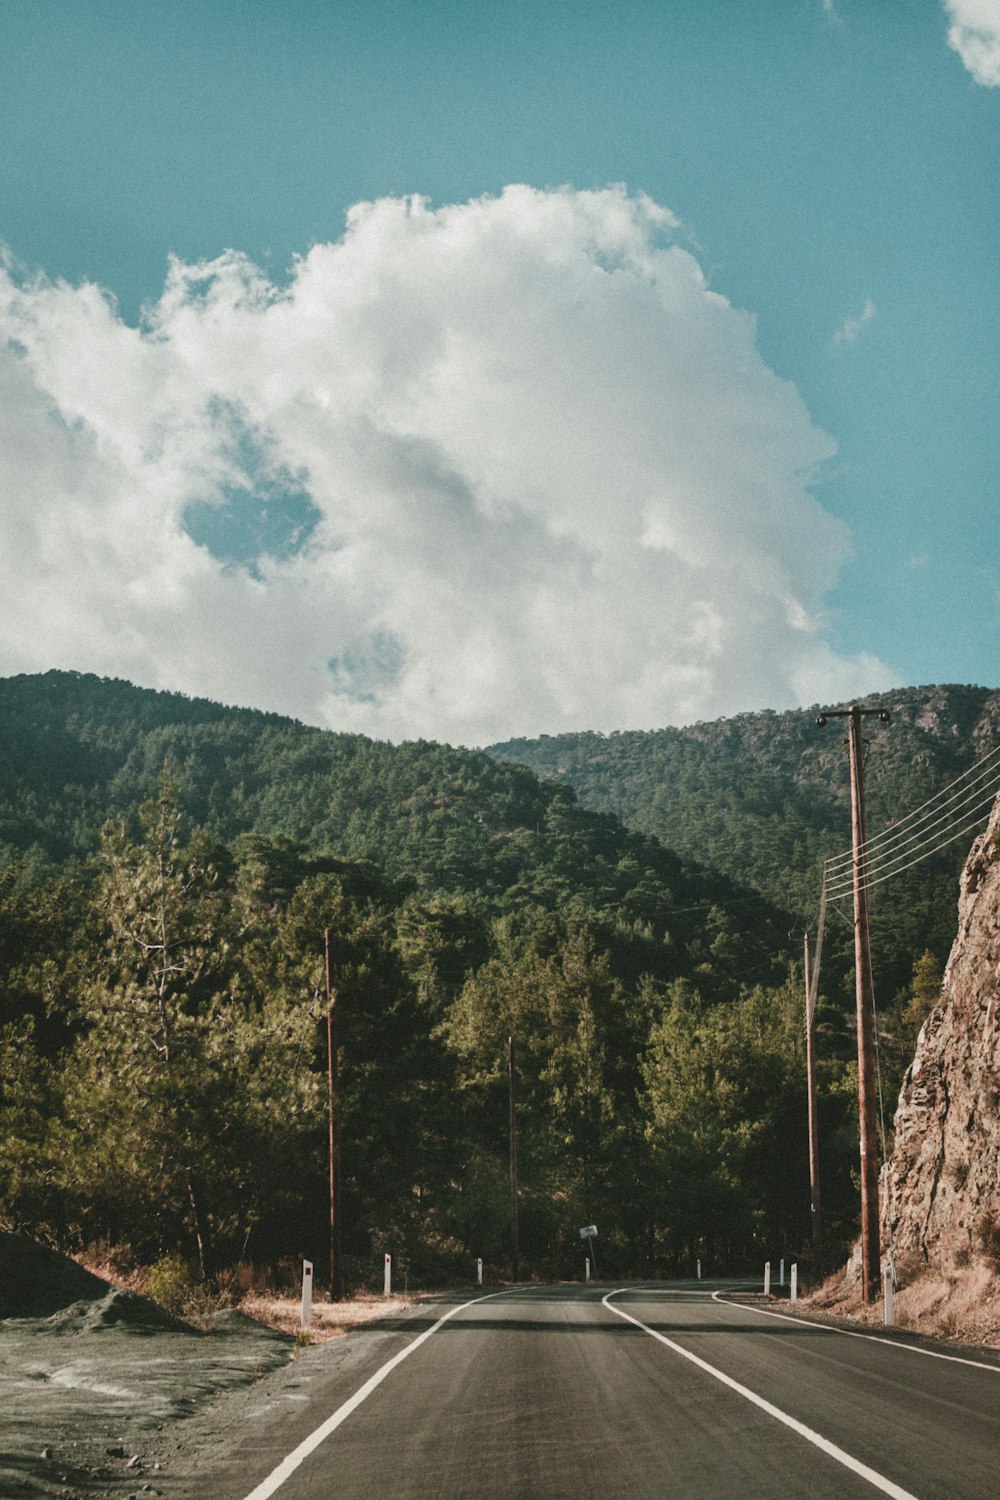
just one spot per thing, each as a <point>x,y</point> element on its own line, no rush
<point>287,1467</point>
<point>853,1333</point>
<point>879,1481</point>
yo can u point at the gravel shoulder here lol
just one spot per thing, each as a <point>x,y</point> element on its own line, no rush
<point>103,1395</point>
<point>88,1393</point>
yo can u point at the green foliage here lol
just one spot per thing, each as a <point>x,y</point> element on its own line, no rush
<point>143,1068</point>
<point>764,798</point>
<point>419,819</point>
<point>900,1023</point>
<point>725,1101</point>
<point>163,990</point>
<point>171,1282</point>
<point>29,1096</point>
<point>548,1001</point>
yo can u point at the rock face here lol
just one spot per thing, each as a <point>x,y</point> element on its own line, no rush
<point>941,1188</point>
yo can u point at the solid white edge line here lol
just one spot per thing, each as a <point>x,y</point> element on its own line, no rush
<point>853,1333</point>
<point>879,1481</point>
<point>288,1465</point>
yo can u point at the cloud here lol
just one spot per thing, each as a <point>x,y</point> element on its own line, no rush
<point>496,468</point>
<point>975,36</point>
<point>850,331</point>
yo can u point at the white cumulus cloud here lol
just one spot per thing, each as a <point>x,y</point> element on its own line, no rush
<point>496,468</point>
<point>974,34</point>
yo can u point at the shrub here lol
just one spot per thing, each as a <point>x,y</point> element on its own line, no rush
<point>171,1283</point>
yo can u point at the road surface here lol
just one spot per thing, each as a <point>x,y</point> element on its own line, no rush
<point>649,1391</point>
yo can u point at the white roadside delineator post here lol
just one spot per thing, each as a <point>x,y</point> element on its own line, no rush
<point>795,1283</point>
<point>699,1270</point>
<point>479,1271</point>
<point>586,1269</point>
<point>767,1278</point>
<point>307,1293</point>
<point>387,1287</point>
<point>887,1284</point>
<point>781,1271</point>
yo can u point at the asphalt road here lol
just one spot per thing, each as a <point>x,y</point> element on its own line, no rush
<point>653,1391</point>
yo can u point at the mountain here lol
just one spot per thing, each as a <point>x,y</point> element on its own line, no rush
<point>174,878</point>
<point>716,812</point>
<point>765,798</point>
<point>652,1004</point>
<point>76,750</point>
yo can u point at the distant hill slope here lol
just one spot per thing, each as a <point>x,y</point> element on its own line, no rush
<point>77,749</point>
<point>765,797</point>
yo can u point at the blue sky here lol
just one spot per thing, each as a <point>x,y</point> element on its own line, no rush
<point>825,407</point>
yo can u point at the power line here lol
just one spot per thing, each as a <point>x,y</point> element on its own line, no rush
<point>875,875</point>
<point>891,868</point>
<point>895,851</point>
<point>887,849</point>
<point>979,772</point>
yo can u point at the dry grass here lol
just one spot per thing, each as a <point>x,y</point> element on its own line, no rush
<point>250,1289</point>
<point>964,1304</point>
<point>100,1263</point>
<point>839,1293</point>
<point>329,1319</point>
<point>961,1304</point>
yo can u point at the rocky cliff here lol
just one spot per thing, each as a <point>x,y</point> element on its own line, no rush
<point>941,1186</point>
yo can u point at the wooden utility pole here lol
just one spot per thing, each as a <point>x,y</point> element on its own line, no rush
<point>870,1247</point>
<point>512,1127</point>
<point>815,1209</point>
<point>333,1118</point>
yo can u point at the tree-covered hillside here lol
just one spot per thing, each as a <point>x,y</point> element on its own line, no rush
<point>170,870</point>
<point>76,750</point>
<point>765,798</point>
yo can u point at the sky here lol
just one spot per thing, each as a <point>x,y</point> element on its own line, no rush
<point>465,370</point>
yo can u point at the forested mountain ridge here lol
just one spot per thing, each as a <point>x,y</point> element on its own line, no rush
<point>76,749</point>
<point>765,798</point>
